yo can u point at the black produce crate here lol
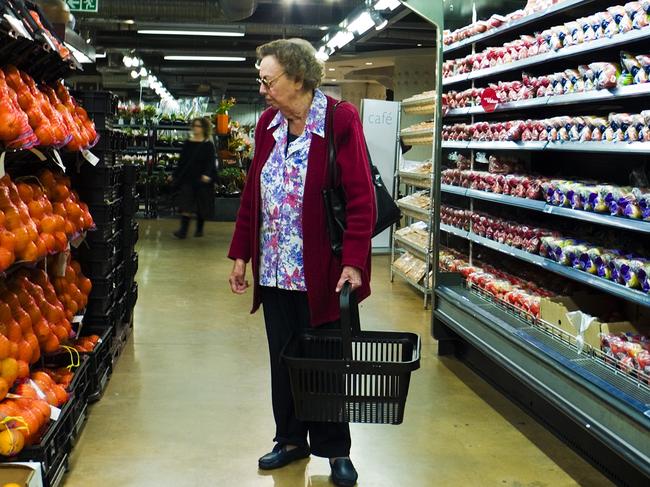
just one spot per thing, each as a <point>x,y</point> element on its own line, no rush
<point>130,204</point>
<point>97,101</point>
<point>100,305</point>
<point>102,233</point>
<point>104,321</point>
<point>110,139</point>
<point>98,269</point>
<point>106,213</point>
<point>55,445</point>
<point>100,196</point>
<point>80,390</point>
<point>89,178</point>
<point>99,360</point>
<point>131,301</point>
<point>97,251</point>
<point>131,267</point>
<point>131,174</point>
<point>130,236</point>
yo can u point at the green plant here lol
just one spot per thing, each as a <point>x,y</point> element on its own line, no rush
<point>225,105</point>
<point>231,179</point>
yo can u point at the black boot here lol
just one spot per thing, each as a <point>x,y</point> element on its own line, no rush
<point>199,227</point>
<point>181,233</point>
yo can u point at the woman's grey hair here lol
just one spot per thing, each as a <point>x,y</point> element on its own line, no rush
<point>298,58</point>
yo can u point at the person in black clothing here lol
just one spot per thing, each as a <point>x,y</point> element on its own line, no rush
<point>194,178</point>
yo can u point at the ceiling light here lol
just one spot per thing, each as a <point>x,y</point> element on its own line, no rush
<point>78,55</point>
<point>334,79</point>
<point>202,33</point>
<point>362,24</point>
<point>368,64</point>
<point>323,27</point>
<point>143,72</point>
<point>419,45</point>
<point>134,74</point>
<point>340,39</point>
<point>322,55</point>
<point>204,58</point>
<point>387,5</point>
<point>332,69</point>
<point>380,22</point>
<point>127,61</point>
<point>100,55</point>
<point>129,21</point>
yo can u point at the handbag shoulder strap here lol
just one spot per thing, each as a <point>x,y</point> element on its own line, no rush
<point>332,169</point>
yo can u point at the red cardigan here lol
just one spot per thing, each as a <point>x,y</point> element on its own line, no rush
<point>322,267</point>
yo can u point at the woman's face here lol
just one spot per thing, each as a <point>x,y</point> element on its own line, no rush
<point>197,130</point>
<point>278,89</point>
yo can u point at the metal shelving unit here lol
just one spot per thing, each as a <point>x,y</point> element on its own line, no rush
<point>602,412</point>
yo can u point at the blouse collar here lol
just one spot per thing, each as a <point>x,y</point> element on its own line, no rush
<point>315,120</point>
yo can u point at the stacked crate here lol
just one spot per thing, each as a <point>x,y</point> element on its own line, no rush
<point>102,255</point>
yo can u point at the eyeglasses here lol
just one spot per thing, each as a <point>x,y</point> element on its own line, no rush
<point>268,83</point>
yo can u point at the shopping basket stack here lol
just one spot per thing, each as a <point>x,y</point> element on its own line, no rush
<point>349,375</point>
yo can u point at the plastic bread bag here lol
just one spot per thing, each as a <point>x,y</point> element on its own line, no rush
<point>576,129</point>
<point>581,323</point>
<point>604,263</point>
<point>603,198</point>
<point>609,134</point>
<point>632,72</point>
<point>585,133</point>
<point>621,19</point>
<point>644,205</point>
<point>557,82</point>
<point>531,45</point>
<point>564,125</point>
<point>575,195</point>
<point>587,193</point>
<point>641,14</point>
<point>623,122</point>
<point>644,61</point>
<point>621,197</point>
<point>599,23</point>
<point>559,254</point>
<point>633,9</point>
<point>558,34</point>
<point>644,132</point>
<point>643,275</point>
<point>628,272</point>
<point>588,259</point>
<point>599,126</point>
<point>575,83</point>
<point>587,77</point>
<point>633,131</point>
<point>588,33</point>
<point>575,34</point>
<point>605,75</point>
<point>571,254</point>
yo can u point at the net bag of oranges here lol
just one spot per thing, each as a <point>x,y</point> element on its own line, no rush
<point>349,375</point>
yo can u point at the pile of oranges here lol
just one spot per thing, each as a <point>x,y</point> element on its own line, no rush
<point>35,317</point>
<point>86,344</point>
<point>38,216</point>
<point>53,117</point>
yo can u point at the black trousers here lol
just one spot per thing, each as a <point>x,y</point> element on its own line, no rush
<point>286,312</point>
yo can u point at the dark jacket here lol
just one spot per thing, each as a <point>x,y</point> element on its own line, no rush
<point>197,159</point>
<point>322,267</point>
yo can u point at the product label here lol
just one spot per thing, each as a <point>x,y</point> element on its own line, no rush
<point>489,100</point>
<point>55,413</point>
<point>58,160</point>
<point>90,157</point>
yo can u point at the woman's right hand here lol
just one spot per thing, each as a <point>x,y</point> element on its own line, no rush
<point>238,282</point>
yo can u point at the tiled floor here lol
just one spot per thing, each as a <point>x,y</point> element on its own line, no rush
<point>188,404</point>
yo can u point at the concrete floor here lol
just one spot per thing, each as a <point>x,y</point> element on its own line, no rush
<point>189,405</point>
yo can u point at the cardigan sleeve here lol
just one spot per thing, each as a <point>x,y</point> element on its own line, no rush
<point>354,170</point>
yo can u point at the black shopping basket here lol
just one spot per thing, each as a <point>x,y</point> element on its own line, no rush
<point>349,375</point>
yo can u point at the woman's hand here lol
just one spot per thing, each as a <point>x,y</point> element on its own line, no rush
<point>238,282</point>
<point>206,179</point>
<point>351,275</point>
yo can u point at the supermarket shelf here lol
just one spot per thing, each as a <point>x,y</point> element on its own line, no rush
<point>453,230</point>
<point>517,24</point>
<point>606,147</point>
<point>168,149</point>
<point>610,287</point>
<point>419,251</point>
<point>414,212</point>
<point>602,404</point>
<point>418,102</point>
<point>623,92</point>
<point>541,206</point>
<point>183,127</point>
<point>567,52</point>
<point>415,133</point>
<point>410,281</point>
<point>418,180</point>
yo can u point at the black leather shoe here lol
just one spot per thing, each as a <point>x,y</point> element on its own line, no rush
<point>180,235</point>
<point>344,473</point>
<point>280,457</point>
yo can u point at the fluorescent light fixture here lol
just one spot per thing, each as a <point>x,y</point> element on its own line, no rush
<point>334,79</point>
<point>419,45</point>
<point>387,5</point>
<point>340,39</point>
<point>362,24</point>
<point>100,55</point>
<point>323,27</point>
<point>380,22</point>
<point>332,69</point>
<point>322,55</point>
<point>129,21</point>
<point>197,33</point>
<point>368,64</point>
<point>205,58</point>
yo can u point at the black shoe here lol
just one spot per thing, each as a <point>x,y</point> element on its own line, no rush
<point>180,235</point>
<point>280,457</point>
<point>199,227</point>
<point>344,473</point>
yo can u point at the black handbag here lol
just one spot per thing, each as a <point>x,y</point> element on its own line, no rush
<point>388,212</point>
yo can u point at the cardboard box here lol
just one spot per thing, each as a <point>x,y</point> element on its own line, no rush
<point>634,318</point>
<point>23,475</point>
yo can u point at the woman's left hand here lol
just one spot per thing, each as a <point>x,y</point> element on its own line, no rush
<point>351,275</point>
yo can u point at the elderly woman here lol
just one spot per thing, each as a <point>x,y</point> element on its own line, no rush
<point>281,229</point>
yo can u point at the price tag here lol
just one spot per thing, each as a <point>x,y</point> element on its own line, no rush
<point>18,26</point>
<point>55,413</point>
<point>90,157</point>
<point>58,160</point>
<point>60,263</point>
<point>77,319</point>
<point>2,164</point>
<point>39,154</point>
<point>548,209</point>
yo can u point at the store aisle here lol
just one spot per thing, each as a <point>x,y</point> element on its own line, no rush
<point>188,404</point>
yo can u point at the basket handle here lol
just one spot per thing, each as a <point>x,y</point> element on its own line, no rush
<point>350,325</point>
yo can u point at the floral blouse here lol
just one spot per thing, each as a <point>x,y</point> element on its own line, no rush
<point>282,188</point>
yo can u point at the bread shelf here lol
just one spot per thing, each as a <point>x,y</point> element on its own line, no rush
<point>595,147</point>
